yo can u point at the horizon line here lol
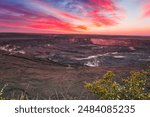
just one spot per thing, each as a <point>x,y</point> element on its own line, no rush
<point>74,34</point>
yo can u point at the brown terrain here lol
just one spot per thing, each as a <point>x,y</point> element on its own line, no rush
<point>40,78</point>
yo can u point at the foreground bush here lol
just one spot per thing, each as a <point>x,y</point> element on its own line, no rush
<point>133,88</point>
<point>20,97</point>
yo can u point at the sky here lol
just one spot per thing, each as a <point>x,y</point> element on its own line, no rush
<point>112,17</point>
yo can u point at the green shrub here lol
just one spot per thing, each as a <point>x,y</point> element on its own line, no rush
<point>133,88</point>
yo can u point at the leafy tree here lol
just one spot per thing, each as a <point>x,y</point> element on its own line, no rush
<point>133,88</point>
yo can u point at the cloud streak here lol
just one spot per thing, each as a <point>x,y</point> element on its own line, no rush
<point>63,16</point>
<point>72,16</point>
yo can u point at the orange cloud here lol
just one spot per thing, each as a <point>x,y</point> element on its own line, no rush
<point>82,27</point>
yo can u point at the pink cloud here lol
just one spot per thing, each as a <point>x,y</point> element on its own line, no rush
<point>104,4</point>
<point>104,12</point>
<point>145,10</point>
<point>85,17</point>
<point>10,24</point>
<point>51,23</point>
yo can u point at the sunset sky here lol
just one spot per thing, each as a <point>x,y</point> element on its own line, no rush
<point>119,17</point>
